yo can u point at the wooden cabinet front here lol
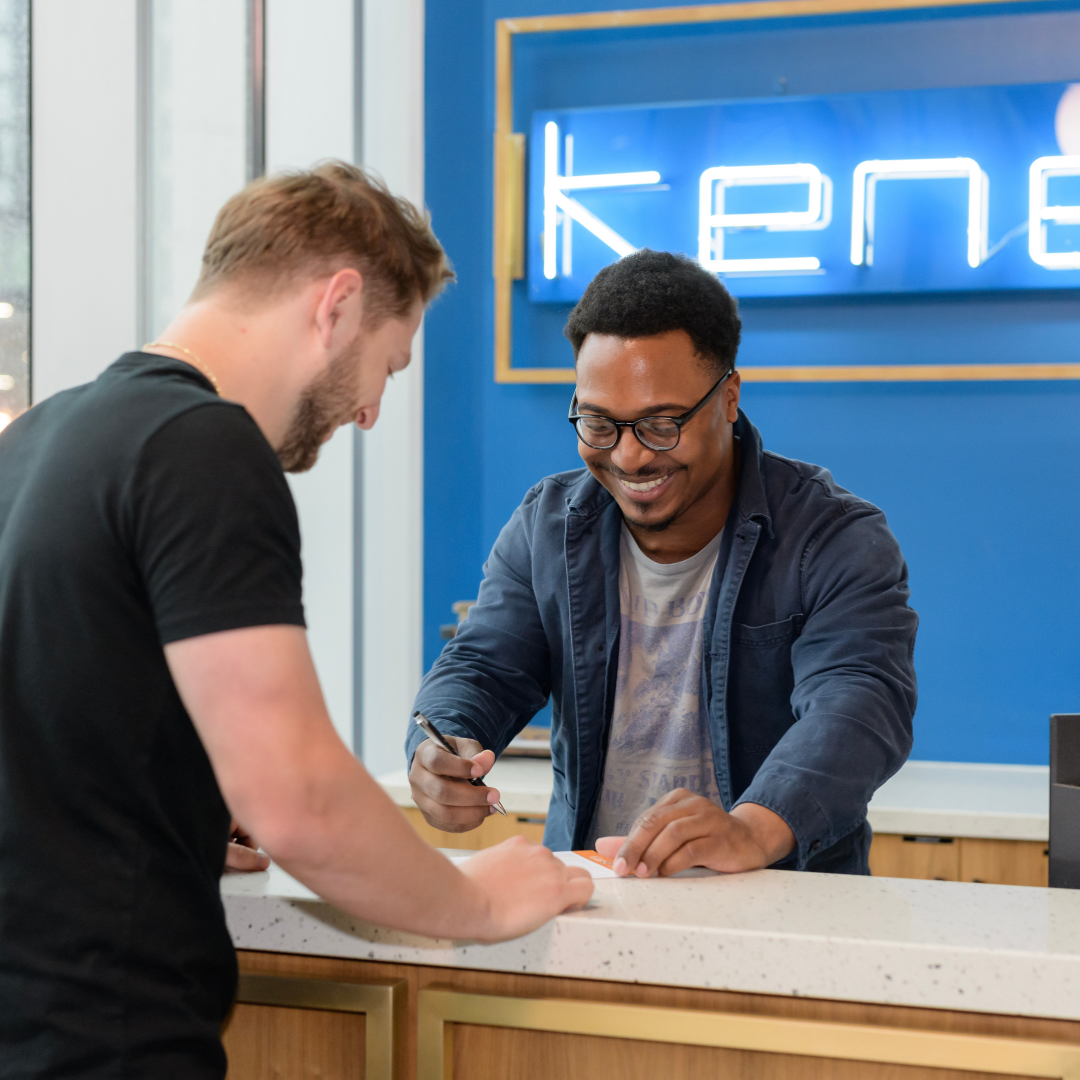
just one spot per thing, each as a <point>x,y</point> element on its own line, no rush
<point>495,830</point>
<point>476,1025</point>
<point>275,1042</point>
<point>961,858</point>
<point>1005,862</point>
<point>926,857</point>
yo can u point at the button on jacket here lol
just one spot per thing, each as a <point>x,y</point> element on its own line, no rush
<point>808,666</point>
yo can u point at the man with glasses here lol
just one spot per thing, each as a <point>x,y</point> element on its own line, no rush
<point>725,633</point>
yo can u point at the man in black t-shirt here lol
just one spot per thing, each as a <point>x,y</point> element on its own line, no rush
<point>155,680</point>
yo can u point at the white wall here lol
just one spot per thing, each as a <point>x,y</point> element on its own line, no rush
<point>392,470</point>
<point>310,92</point>
<point>85,167</point>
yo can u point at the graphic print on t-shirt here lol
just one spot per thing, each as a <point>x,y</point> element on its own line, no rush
<point>659,728</point>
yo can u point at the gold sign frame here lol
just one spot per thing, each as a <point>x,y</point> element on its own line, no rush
<point>439,1010</point>
<point>509,190</point>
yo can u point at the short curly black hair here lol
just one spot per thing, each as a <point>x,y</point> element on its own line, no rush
<point>652,292</point>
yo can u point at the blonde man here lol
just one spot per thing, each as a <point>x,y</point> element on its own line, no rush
<point>155,678</point>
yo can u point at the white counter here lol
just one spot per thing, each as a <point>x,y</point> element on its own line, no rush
<point>925,798</point>
<point>942,798</point>
<point>939,944</point>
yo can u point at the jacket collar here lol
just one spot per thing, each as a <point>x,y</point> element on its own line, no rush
<point>589,497</point>
<point>750,500</point>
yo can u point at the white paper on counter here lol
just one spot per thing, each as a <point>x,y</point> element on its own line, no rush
<point>596,870</point>
<point>570,858</point>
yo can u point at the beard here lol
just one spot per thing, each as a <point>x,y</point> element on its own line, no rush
<point>326,403</point>
<point>652,526</point>
<point>656,526</point>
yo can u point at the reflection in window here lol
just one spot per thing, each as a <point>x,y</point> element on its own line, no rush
<point>14,209</point>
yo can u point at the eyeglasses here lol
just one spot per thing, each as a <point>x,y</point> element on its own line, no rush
<point>653,432</point>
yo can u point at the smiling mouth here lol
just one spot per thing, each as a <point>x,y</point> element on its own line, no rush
<point>647,486</point>
<point>646,489</point>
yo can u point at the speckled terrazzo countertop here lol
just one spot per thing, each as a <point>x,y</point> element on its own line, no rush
<point>938,944</point>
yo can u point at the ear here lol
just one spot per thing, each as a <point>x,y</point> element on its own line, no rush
<point>731,390</point>
<point>339,308</point>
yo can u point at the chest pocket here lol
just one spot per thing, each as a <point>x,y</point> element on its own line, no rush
<point>760,682</point>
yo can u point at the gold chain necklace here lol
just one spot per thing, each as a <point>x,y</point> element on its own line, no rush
<point>195,361</point>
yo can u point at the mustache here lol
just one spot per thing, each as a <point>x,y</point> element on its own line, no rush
<point>642,475</point>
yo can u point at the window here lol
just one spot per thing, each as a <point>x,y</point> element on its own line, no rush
<point>14,209</point>
<point>196,139</point>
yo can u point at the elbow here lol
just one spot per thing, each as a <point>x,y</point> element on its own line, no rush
<point>285,818</point>
<point>285,842</point>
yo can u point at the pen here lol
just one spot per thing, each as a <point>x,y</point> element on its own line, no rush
<point>434,733</point>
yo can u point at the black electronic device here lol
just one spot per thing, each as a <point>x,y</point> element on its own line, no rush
<point>1065,801</point>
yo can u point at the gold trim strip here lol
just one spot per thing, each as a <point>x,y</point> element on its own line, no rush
<point>912,373</point>
<point>507,187</point>
<point>515,205</point>
<point>438,1009</point>
<point>503,254</point>
<point>383,1006</point>
<point>508,374</point>
<point>702,13</point>
<point>847,373</point>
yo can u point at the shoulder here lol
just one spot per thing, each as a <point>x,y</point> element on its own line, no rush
<point>210,471</point>
<point>543,511</point>
<point>576,491</point>
<point>107,429</point>
<point>202,425</point>
<point>793,485</point>
<point>815,518</point>
<point>214,443</point>
<point>558,485</point>
<point>142,399</point>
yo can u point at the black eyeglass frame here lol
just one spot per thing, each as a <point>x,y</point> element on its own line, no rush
<point>678,421</point>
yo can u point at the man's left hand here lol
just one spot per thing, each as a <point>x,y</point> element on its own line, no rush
<point>243,852</point>
<point>684,830</point>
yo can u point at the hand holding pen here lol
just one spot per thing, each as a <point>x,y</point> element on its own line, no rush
<point>444,802</point>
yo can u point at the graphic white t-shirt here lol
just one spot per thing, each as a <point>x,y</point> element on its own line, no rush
<point>660,728</point>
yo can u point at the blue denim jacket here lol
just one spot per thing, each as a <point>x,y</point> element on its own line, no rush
<point>808,666</point>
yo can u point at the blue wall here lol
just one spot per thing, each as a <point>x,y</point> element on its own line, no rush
<point>980,481</point>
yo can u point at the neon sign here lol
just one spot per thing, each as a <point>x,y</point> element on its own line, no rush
<point>712,220</point>
<point>903,191</point>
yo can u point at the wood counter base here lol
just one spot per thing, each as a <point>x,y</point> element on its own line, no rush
<point>478,1025</point>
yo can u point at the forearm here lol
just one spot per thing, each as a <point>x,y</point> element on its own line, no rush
<point>474,699</point>
<point>254,699</point>
<point>494,675</point>
<point>821,775</point>
<point>342,837</point>
<point>847,740</point>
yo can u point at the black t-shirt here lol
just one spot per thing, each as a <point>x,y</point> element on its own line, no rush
<point>135,511</point>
